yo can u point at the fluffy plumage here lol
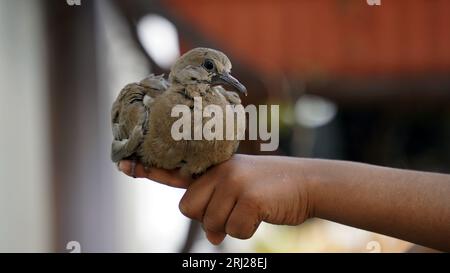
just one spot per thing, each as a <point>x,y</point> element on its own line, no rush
<point>141,115</point>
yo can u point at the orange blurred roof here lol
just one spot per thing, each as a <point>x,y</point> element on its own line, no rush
<point>326,36</point>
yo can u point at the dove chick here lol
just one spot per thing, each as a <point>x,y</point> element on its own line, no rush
<point>198,73</point>
<point>142,120</point>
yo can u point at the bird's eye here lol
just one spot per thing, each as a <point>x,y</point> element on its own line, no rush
<point>208,64</point>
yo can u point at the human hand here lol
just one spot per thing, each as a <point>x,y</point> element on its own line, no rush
<point>235,196</point>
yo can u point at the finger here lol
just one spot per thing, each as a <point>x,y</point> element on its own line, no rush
<point>219,209</point>
<point>170,178</point>
<point>196,198</point>
<point>215,238</point>
<point>243,221</point>
<point>126,165</point>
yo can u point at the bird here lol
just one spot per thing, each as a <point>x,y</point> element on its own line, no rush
<point>142,121</point>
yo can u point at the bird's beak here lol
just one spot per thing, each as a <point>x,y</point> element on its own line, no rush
<point>226,79</point>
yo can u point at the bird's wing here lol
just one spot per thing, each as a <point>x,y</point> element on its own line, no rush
<point>135,95</point>
<point>155,86</point>
<point>121,100</point>
<point>129,114</point>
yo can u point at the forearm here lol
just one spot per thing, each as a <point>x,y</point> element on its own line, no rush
<point>410,205</point>
<point>235,196</point>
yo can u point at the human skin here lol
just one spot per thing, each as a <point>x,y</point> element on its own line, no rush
<point>236,196</point>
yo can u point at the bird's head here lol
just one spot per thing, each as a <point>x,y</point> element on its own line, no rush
<point>204,66</point>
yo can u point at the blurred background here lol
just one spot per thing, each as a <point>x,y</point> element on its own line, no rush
<point>353,81</point>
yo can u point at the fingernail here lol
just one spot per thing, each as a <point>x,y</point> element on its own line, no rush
<point>120,166</point>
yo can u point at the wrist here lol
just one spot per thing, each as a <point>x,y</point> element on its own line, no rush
<point>311,180</point>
